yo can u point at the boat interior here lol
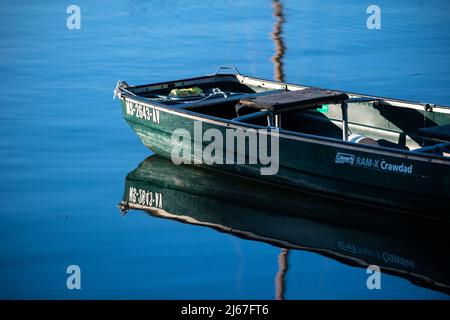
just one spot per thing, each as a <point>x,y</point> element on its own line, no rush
<point>397,124</point>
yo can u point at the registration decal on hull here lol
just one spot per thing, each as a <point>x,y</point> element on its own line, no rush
<point>373,163</point>
<point>142,111</point>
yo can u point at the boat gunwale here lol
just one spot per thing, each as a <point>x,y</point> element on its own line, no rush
<point>243,79</point>
<point>386,100</point>
<point>288,134</point>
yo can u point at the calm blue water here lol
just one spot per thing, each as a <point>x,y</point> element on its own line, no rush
<point>65,149</point>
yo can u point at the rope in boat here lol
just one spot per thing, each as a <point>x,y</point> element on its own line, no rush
<point>120,87</point>
<point>215,91</point>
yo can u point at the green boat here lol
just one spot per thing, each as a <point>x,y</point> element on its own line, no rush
<point>410,247</point>
<point>365,149</point>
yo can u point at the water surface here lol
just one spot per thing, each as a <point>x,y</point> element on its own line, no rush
<point>65,149</point>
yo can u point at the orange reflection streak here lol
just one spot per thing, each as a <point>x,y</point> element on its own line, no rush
<point>280,48</point>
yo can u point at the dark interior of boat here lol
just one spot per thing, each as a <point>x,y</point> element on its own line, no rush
<point>316,112</point>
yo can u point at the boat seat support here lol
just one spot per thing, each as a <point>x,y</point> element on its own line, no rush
<point>344,107</point>
<point>271,119</point>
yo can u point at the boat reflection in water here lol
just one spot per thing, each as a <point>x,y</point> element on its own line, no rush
<point>353,234</point>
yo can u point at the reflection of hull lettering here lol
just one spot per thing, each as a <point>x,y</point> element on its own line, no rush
<point>376,255</point>
<point>145,198</point>
<point>397,260</point>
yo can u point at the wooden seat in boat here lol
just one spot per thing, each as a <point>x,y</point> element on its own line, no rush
<point>309,98</point>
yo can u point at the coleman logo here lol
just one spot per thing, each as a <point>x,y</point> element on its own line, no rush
<point>344,158</point>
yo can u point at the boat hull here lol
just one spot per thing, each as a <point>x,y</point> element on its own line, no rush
<point>400,180</point>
